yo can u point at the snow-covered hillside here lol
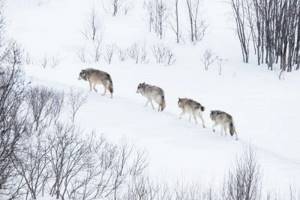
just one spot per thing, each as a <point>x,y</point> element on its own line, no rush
<point>265,110</point>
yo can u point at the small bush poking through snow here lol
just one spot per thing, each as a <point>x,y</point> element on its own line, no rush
<point>163,55</point>
<point>208,59</point>
<point>138,53</point>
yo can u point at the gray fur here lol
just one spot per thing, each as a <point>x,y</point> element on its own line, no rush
<point>225,120</point>
<point>94,77</point>
<point>152,93</point>
<point>192,107</point>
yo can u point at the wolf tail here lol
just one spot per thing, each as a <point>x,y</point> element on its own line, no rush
<point>202,108</point>
<point>162,103</point>
<point>232,129</point>
<point>110,85</point>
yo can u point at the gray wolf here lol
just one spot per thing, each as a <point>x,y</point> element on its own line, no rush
<point>152,93</point>
<point>225,120</point>
<point>94,77</point>
<point>193,108</point>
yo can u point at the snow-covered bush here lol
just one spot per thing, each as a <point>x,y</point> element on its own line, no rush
<point>138,53</point>
<point>122,54</point>
<point>109,53</point>
<point>163,54</point>
<point>208,58</point>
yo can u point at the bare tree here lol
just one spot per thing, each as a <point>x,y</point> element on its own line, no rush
<point>67,153</point>
<point>13,125</point>
<point>175,28</point>
<point>240,15</point>
<point>163,55</point>
<point>138,53</point>
<point>31,164</point>
<point>122,55</point>
<point>158,15</point>
<point>274,29</point>
<point>75,101</point>
<point>220,62</point>
<point>109,53</point>
<point>119,5</point>
<point>45,106</point>
<point>197,25</point>
<point>208,59</point>
<point>150,8</point>
<point>93,30</point>
<point>243,182</point>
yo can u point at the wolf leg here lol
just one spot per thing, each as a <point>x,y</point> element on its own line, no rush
<point>195,118</point>
<point>181,114</point>
<point>94,87</point>
<point>104,93</point>
<point>214,126</point>
<point>91,87</point>
<point>224,130</point>
<point>147,102</point>
<point>201,117</point>
<point>152,104</point>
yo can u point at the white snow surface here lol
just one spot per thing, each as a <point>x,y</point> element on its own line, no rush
<point>266,111</point>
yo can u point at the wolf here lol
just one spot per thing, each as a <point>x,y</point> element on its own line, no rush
<point>152,93</point>
<point>225,120</point>
<point>94,77</point>
<point>192,107</point>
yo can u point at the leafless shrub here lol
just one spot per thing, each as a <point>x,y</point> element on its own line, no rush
<point>88,169</point>
<point>134,52</point>
<point>75,101</point>
<point>138,53</point>
<point>122,54</point>
<point>163,55</point>
<point>127,7</point>
<point>208,58</point>
<point>81,54</point>
<point>55,61</point>
<point>220,62</point>
<point>31,164</point>
<point>109,53</point>
<point>119,6</point>
<point>28,59</point>
<point>45,106</point>
<point>97,50</point>
<point>92,30</point>
<point>46,61</point>
<point>67,153</point>
<point>142,189</point>
<point>243,182</point>
<point>13,125</point>
<point>92,52</point>
<point>12,54</point>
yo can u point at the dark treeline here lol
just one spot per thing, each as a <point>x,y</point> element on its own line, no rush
<point>272,27</point>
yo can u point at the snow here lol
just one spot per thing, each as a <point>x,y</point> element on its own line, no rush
<point>265,110</point>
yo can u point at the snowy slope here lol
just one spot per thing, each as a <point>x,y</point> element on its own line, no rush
<point>265,109</point>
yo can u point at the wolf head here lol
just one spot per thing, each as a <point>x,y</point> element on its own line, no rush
<point>180,102</point>
<point>140,88</point>
<point>213,114</point>
<point>83,75</point>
